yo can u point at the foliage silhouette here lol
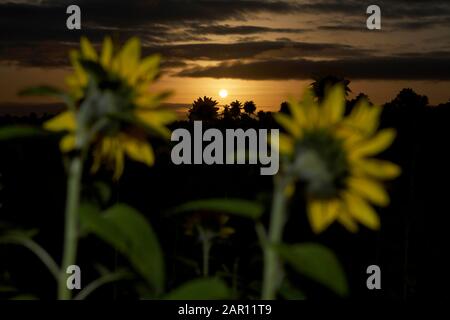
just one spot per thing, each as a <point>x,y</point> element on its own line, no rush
<point>249,107</point>
<point>204,109</point>
<point>321,85</point>
<point>235,109</point>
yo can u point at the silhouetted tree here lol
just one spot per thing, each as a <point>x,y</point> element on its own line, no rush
<point>322,84</point>
<point>226,113</point>
<point>266,119</point>
<point>249,107</point>
<point>203,109</point>
<point>261,115</point>
<point>235,109</point>
<point>409,99</point>
<point>284,107</point>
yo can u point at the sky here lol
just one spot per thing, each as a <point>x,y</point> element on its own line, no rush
<point>265,51</point>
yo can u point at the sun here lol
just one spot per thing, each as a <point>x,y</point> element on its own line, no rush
<point>223,93</point>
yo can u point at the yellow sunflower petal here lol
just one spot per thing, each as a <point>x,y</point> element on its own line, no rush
<point>287,123</point>
<point>107,52</point>
<point>67,143</point>
<point>87,50</point>
<point>315,216</point>
<point>79,71</point>
<point>73,81</point>
<point>128,58</point>
<point>285,144</point>
<point>148,68</point>
<point>379,169</point>
<point>309,99</point>
<point>156,118</point>
<point>226,232</point>
<point>374,145</point>
<point>97,160</point>
<point>140,151</point>
<point>364,118</point>
<point>146,100</point>
<point>322,213</point>
<point>310,109</point>
<point>361,211</point>
<point>372,119</point>
<point>370,190</point>
<point>65,121</point>
<point>347,221</point>
<point>118,164</point>
<point>298,113</point>
<point>333,105</point>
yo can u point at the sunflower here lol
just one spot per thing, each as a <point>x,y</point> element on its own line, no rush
<point>215,224</point>
<point>113,109</point>
<point>332,155</point>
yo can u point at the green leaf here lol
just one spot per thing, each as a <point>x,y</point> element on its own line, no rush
<point>238,207</point>
<point>16,132</point>
<point>23,238</point>
<point>289,292</point>
<point>7,289</point>
<point>125,229</point>
<point>200,289</point>
<point>103,280</point>
<point>48,91</point>
<point>103,191</point>
<point>317,263</point>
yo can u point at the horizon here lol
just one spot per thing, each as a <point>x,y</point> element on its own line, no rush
<point>21,108</point>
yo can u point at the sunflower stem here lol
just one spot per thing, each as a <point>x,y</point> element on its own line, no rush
<point>206,248</point>
<point>71,224</point>
<point>272,270</point>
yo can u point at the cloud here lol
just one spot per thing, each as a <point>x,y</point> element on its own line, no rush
<point>390,8</point>
<point>55,54</point>
<point>174,11</point>
<point>35,34</point>
<point>226,29</point>
<point>373,68</point>
<point>256,50</point>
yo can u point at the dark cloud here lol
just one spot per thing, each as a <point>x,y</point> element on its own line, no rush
<point>138,12</point>
<point>359,27</point>
<point>406,25</point>
<point>154,21</point>
<point>35,34</point>
<point>256,49</point>
<point>373,68</point>
<point>390,8</point>
<point>55,54</point>
<point>226,29</point>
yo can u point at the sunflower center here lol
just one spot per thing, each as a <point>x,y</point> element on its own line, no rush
<point>321,163</point>
<point>107,104</point>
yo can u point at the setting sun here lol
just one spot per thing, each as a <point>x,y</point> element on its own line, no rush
<point>223,93</point>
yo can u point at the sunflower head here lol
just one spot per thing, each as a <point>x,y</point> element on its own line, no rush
<point>113,108</point>
<point>332,155</point>
<point>215,224</point>
<point>321,163</point>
